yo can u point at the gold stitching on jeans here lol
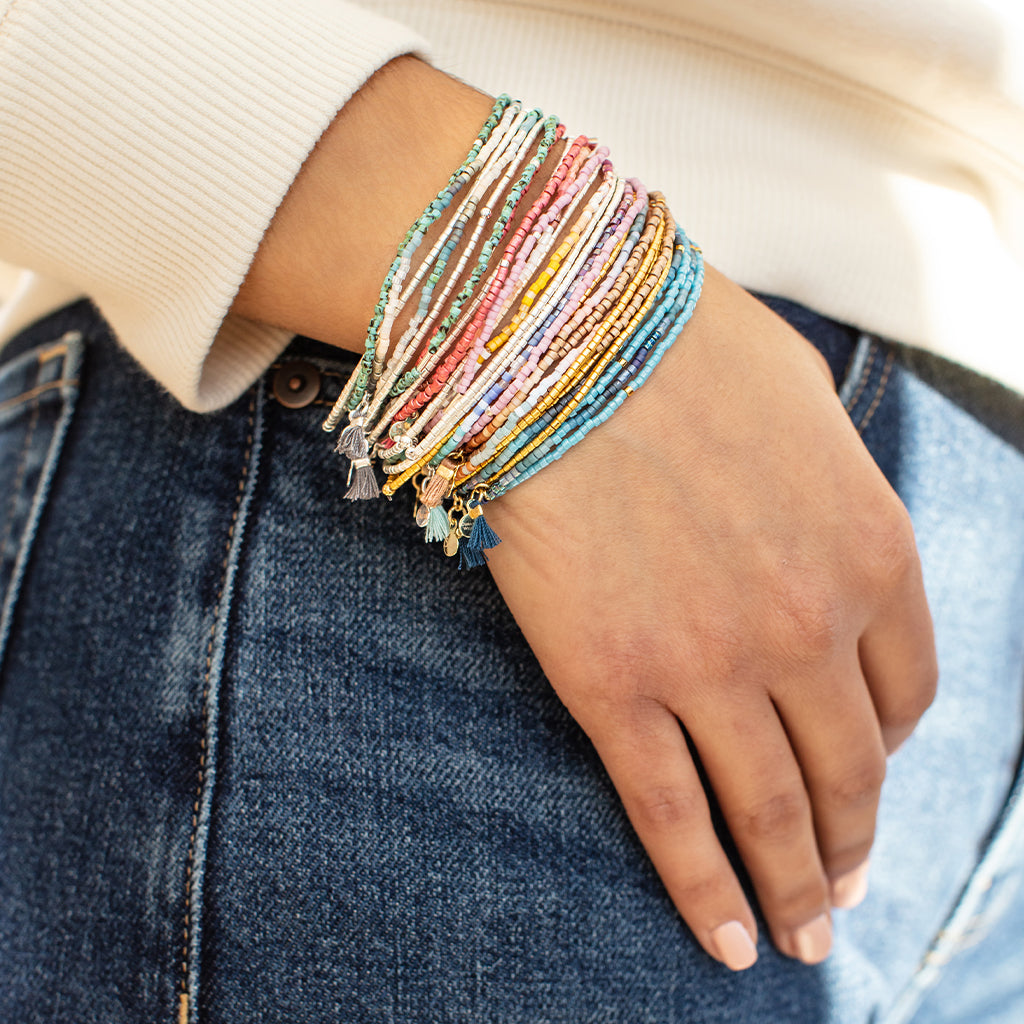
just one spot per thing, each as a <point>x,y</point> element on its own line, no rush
<point>59,348</point>
<point>865,376</point>
<point>27,396</point>
<point>183,1002</point>
<point>883,383</point>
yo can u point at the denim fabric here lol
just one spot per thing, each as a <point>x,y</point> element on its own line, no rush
<point>264,746</point>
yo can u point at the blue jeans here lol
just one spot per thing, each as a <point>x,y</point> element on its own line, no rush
<point>264,747</point>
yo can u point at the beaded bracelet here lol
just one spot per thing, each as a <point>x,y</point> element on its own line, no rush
<point>520,341</point>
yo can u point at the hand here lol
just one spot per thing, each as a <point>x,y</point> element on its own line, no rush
<point>722,553</point>
<point>723,556</point>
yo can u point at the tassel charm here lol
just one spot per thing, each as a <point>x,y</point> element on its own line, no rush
<point>472,551</point>
<point>362,482</point>
<point>439,485</point>
<point>437,524</point>
<point>434,491</point>
<point>352,440</point>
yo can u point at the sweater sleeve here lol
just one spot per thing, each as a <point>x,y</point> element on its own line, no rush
<point>146,147</point>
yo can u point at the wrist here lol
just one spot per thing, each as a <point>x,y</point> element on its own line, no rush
<point>382,160</point>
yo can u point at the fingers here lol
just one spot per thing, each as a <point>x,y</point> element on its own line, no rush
<point>897,648</point>
<point>897,655</point>
<point>835,735</point>
<point>798,781</point>
<point>651,767</point>
<point>758,784</point>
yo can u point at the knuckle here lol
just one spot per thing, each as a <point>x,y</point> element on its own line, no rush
<point>799,902</point>
<point>615,682</point>
<point>701,887</point>
<point>845,858</point>
<point>778,819</point>
<point>715,639</point>
<point>667,809</point>
<point>858,786</point>
<point>890,550</point>
<point>921,702</point>
<point>808,622</point>
<point>926,687</point>
<point>620,659</point>
<point>904,711</point>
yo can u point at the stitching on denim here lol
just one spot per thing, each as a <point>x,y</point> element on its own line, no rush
<point>1005,834</point>
<point>28,396</point>
<point>183,1008</point>
<point>883,384</point>
<point>70,364</point>
<point>865,376</point>
<point>19,477</point>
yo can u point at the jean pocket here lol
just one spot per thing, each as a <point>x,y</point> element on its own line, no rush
<point>37,397</point>
<point>869,374</point>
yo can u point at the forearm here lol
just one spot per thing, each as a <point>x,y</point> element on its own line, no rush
<point>388,152</point>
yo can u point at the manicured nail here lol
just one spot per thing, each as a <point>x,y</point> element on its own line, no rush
<point>734,946</point>
<point>894,738</point>
<point>814,940</point>
<point>850,889</point>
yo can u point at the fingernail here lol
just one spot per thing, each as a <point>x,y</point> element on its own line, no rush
<point>894,738</point>
<point>814,940</point>
<point>850,889</point>
<point>734,946</point>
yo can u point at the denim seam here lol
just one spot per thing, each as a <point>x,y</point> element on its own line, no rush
<point>19,477</point>
<point>195,862</point>
<point>35,393</point>
<point>865,374</point>
<point>883,384</point>
<point>950,939</point>
<point>71,364</point>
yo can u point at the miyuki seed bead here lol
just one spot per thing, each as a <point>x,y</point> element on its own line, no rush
<point>592,286</point>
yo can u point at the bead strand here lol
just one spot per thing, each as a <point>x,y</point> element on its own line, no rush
<point>518,341</point>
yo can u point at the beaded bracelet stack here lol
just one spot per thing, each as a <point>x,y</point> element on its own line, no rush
<point>525,341</point>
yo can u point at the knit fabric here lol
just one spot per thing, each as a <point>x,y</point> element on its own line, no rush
<point>146,147</point>
<point>864,157</point>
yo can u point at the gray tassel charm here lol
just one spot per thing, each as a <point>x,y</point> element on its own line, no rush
<point>362,482</point>
<point>352,440</point>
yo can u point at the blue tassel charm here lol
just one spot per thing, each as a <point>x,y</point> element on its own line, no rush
<point>472,551</point>
<point>470,557</point>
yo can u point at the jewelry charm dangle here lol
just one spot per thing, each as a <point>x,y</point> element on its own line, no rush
<point>434,492</point>
<point>352,440</point>
<point>362,482</point>
<point>451,541</point>
<point>481,537</point>
<point>521,330</point>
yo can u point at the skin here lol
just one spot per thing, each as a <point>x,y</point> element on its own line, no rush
<point>749,577</point>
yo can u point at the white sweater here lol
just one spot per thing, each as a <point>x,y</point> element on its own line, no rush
<point>865,157</point>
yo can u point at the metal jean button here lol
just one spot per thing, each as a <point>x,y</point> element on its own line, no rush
<point>296,383</point>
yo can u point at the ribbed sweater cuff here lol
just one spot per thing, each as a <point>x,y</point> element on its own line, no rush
<point>146,147</point>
